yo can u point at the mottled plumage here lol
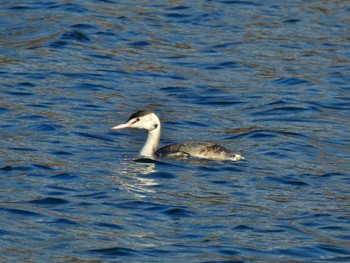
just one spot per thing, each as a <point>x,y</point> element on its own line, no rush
<point>197,149</point>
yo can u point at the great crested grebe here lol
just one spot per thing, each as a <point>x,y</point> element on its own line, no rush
<point>146,119</point>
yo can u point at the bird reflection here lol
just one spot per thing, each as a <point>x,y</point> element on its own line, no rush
<point>129,176</point>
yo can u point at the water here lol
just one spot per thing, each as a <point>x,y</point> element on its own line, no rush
<point>268,79</point>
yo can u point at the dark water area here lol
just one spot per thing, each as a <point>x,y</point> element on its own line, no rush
<point>268,79</point>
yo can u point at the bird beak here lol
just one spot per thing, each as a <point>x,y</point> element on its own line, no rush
<point>122,126</point>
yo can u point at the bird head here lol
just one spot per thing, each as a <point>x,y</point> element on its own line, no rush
<point>143,119</point>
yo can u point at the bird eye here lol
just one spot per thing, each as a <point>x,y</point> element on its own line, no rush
<point>138,119</point>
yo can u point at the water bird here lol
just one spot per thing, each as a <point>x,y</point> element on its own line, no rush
<point>148,120</point>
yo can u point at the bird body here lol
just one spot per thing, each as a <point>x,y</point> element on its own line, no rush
<point>149,121</point>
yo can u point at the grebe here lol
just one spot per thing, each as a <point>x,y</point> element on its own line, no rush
<point>149,121</point>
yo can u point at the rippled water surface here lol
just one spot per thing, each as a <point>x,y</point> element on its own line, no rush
<point>267,79</point>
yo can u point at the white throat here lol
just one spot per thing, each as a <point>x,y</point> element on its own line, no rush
<point>151,145</point>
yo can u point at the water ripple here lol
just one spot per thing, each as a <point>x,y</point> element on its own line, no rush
<point>49,201</point>
<point>114,251</point>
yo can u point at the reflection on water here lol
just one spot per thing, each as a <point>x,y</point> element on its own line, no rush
<point>137,166</point>
<point>128,177</point>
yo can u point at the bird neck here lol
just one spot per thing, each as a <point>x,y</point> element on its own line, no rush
<point>151,145</point>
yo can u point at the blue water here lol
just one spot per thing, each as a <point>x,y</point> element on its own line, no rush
<point>268,79</point>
